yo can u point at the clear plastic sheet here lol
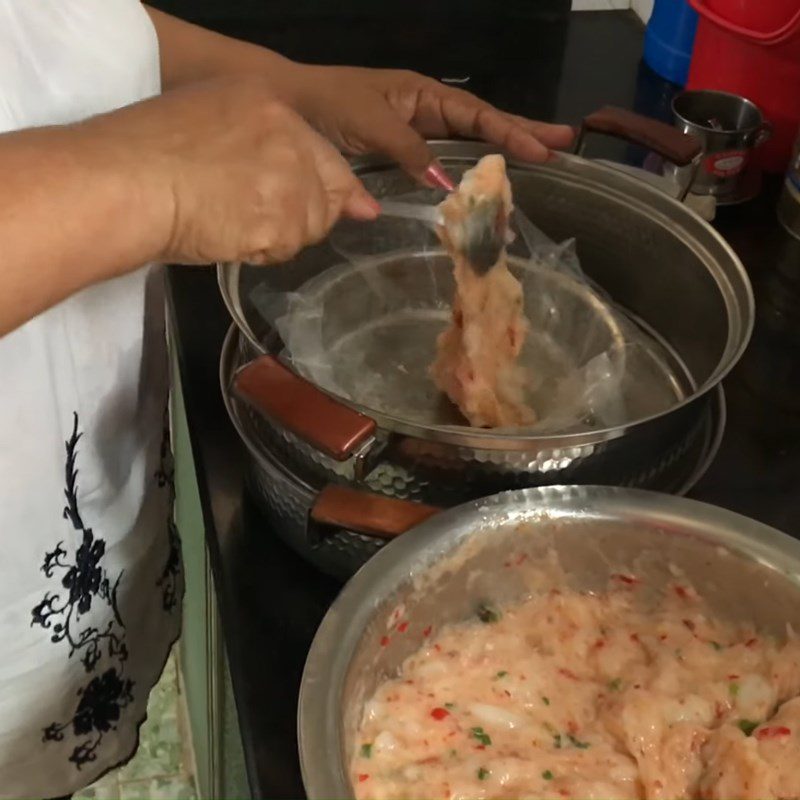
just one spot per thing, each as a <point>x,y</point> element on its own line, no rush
<point>365,329</point>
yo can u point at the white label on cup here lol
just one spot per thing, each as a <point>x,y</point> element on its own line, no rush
<point>727,164</point>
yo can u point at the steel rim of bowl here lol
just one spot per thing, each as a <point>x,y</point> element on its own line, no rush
<point>318,717</point>
<point>631,192</point>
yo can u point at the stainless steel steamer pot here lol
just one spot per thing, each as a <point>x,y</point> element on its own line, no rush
<point>746,570</point>
<point>338,528</point>
<point>654,256</point>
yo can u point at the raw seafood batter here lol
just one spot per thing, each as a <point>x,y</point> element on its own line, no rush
<point>584,696</point>
<point>476,365</point>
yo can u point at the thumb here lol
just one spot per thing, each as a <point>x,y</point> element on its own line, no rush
<point>361,205</point>
<point>346,194</point>
<point>394,137</point>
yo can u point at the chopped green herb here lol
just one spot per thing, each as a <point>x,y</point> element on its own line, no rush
<point>547,775</point>
<point>615,685</point>
<point>576,743</point>
<point>501,674</point>
<point>557,741</point>
<point>366,750</point>
<point>453,753</point>
<point>747,726</point>
<point>733,689</point>
<point>482,774</point>
<point>487,613</point>
<point>716,645</point>
<point>546,700</point>
<point>481,735</point>
<point>448,706</point>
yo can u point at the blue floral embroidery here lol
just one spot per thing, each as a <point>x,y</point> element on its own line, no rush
<point>165,477</point>
<point>85,582</point>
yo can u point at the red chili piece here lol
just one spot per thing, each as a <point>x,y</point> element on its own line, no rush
<point>402,627</point>
<point>568,674</point>
<point>362,778</point>
<point>628,579</point>
<point>681,592</point>
<point>751,643</point>
<point>440,713</point>
<point>427,631</point>
<point>385,640</point>
<point>773,732</point>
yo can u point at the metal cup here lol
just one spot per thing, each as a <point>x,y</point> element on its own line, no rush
<point>730,127</point>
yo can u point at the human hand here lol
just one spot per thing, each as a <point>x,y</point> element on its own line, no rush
<point>393,111</point>
<point>242,176</point>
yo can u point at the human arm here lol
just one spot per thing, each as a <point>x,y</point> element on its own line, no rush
<point>359,110</point>
<point>213,172</point>
<point>74,210</point>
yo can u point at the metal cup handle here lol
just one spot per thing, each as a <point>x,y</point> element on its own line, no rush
<point>763,134</point>
<point>682,149</point>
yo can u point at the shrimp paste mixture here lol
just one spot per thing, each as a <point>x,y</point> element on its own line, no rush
<point>571,695</point>
<point>476,363</point>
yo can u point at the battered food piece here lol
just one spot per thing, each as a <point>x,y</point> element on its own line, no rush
<point>476,364</point>
<point>586,696</point>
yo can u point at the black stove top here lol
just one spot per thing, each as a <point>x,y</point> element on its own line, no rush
<point>271,602</point>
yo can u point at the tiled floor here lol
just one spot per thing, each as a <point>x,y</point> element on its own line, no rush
<point>160,769</point>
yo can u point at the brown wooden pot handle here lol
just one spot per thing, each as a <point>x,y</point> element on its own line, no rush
<point>670,143</point>
<point>365,512</point>
<point>293,402</point>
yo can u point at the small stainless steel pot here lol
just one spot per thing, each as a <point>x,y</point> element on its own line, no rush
<point>441,570</point>
<point>730,128</point>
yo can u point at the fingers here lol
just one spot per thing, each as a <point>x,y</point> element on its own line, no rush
<point>344,192</point>
<point>385,131</point>
<point>361,206</point>
<point>557,137</point>
<point>446,111</point>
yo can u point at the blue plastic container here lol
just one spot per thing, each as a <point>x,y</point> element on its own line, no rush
<point>669,38</point>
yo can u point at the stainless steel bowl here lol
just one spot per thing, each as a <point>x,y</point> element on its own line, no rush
<point>442,569</point>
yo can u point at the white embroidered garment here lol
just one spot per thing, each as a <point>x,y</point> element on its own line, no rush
<point>90,578</point>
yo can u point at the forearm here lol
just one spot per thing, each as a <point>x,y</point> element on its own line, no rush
<point>191,53</point>
<point>74,210</point>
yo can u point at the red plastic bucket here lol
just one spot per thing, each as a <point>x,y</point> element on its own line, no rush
<point>752,48</point>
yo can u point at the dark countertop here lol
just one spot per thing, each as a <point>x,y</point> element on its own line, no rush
<point>271,602</point>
